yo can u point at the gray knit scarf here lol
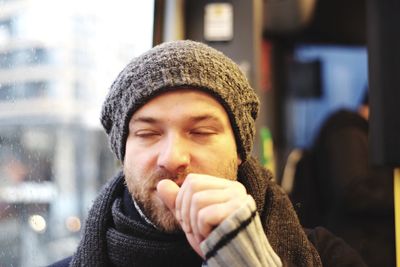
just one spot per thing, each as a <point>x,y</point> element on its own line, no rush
<point>112,239</point>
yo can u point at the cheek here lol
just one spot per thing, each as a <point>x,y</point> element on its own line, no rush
<point>220,153</point>
<point>138,157</point>
<point>226,148</point>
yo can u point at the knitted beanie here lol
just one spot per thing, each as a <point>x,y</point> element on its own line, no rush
<point>176,64</point>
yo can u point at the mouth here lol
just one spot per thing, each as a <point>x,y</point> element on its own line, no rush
<point>153,191</point>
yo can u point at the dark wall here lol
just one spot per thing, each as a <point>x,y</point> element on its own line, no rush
<point>242,47</point>
<point>245,46</point>
<point>384,80</point>
<point>333,22</point>
<point>338,21</point>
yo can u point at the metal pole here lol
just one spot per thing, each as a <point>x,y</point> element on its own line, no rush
<point>397,212</point>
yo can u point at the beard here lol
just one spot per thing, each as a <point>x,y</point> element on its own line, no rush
<point>143,190</point>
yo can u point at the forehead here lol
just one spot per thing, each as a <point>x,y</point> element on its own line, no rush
<point>182,102</point>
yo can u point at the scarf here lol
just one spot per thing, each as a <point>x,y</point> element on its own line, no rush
<point>111,238</point>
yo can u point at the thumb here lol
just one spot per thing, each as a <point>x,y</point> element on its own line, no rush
<point>167,191</point>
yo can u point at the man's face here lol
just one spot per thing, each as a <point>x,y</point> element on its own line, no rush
<point>176,133</point>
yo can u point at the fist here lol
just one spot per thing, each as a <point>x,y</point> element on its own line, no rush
<point>201,204</point>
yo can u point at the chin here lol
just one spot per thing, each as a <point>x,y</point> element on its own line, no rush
<point>169,225</point>
<point>165,220</point>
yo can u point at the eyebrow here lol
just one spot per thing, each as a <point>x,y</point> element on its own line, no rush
<point>150,120</point>
<point>206,117</point>
<point>195,119</point>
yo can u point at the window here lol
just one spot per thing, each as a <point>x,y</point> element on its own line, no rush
<point>343,75</point>
<point>6,92</point>
<point>5,30</point>
<point>26,90</point>
<point>53,162</point>
<point>5,60</point>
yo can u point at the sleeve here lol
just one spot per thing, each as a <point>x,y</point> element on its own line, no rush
<point>240,241</point>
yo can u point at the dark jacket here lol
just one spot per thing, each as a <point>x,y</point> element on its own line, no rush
<point>347,195</point>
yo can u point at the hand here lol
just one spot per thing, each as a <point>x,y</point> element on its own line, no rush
<point>201,204</point>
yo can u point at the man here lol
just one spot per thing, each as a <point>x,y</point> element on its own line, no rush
<point>356,198</point>
<point>181,118</point>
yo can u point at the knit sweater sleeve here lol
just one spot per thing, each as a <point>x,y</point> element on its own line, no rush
<point>240,241</point>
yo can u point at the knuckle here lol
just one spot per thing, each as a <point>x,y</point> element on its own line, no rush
<point>202,217</point>
<point>196,200</point>
<point>193,183</point>
<point>189,178</point>
<point>237,203</point>
<point>240,187</point>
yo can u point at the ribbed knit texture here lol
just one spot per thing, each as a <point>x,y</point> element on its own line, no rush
<point>103,241</point>
<point>278,217</point>
<point>137,243</point>
<point>113,239</point>
<point>175,65</point>
<point>240,241</point>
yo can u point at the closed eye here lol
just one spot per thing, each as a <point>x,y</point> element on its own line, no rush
<point>147,133</point>
<point>203,131</point>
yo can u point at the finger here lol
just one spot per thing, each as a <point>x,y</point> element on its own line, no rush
<point>184,199</point>
<point>198,182</point>
<point>211,216</point>
<point>207,182</point>
<point>194,183</point>
<point>203,199</point>
<point>194,244</point>
<point>167,191</point>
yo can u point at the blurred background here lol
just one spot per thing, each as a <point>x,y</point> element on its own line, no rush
<point>305,59</point>
<point>57,60</point>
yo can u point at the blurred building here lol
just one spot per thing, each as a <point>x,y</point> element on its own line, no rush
<point>57,60</point>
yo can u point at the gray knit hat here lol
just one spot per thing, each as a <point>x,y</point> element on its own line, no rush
<point>180,64</point>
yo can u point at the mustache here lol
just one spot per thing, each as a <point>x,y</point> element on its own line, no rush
<point>160,174</point>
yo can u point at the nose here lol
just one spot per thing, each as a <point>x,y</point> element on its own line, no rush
<point>174,154</point>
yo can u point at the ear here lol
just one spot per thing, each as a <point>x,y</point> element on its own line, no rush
<point>239,160</point>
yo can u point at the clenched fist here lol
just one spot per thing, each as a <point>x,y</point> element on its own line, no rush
<point>201,203</point>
